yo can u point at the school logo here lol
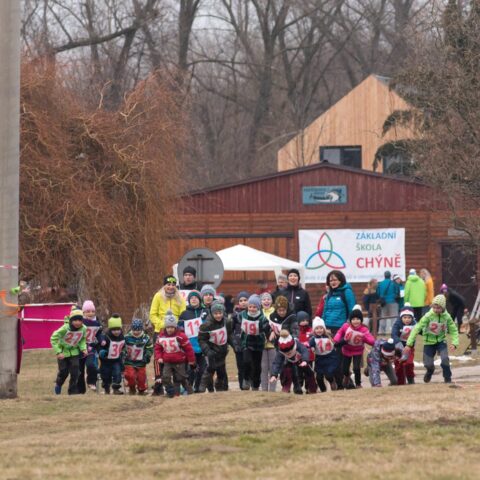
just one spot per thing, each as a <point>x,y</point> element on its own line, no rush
<point>325,256</point>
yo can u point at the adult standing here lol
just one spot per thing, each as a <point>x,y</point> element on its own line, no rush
<point>415,293</point>
<point>455,303</point>
<point>387,292</point>
<point>282,283</point>
<point>401,291</point>
<point>339,303</point>
<point>427,278</point>
<point>190,279</point>
<point>297,296</point>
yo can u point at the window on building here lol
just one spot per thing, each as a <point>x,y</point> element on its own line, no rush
<point>346,156</point>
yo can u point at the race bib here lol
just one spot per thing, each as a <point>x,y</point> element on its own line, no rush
<point>115,349</point>
<point>436,328</point>
<point>323,346</point>
<point>353,337</point>
<point>275,327</point>
<point>251,327</point>
<point>219,336</point>
<point>92,334</point>
<point>135,352</point>
<point>72,338</point>
<point>169,344</point>
<point>405,333</point>
<point>192,327</point>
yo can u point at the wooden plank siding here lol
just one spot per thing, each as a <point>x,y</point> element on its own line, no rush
<point>366,191</point>
<point>355,120</point>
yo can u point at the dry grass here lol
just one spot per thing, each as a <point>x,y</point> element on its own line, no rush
<point>420,432</point>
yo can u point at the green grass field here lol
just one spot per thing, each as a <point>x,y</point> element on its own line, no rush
<point>417,432</point>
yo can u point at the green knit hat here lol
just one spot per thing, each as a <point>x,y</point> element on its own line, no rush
<point>441,301</point>
<point>114,322</point>
<point>76,314</point>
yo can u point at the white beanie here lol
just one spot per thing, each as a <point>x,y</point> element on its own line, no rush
<point>412,271</point>
<point>318,322</point>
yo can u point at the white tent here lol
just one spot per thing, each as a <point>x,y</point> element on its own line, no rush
<point>241,258</point>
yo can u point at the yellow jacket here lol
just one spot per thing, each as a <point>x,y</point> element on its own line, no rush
<point>161,304</point>
<point>429,293</point>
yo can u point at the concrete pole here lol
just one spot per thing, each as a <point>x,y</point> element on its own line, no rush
<point>9,185</point>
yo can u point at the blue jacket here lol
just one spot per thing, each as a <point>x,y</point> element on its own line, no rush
<point>336,312</point>
<point>190,314</point>
<point>397,331</point>
<point>389,290</point>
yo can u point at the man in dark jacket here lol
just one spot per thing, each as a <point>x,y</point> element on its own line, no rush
<point>297,296</point>
<point>455,303</point>
<point>189,279</point>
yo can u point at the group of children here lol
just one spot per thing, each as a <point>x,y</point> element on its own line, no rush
<point>271,343</point>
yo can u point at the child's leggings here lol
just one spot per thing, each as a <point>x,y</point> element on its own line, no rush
<point>357,363</point>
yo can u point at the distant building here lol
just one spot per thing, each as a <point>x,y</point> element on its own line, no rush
<point>350,132</point>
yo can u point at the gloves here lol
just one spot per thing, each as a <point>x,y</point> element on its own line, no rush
<point>103,354</point>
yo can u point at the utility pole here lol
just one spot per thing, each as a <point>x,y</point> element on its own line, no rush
<point>9,185</point>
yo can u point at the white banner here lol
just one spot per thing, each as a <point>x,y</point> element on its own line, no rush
<point>361,254</point>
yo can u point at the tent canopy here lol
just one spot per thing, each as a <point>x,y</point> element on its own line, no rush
<point>241,258</point>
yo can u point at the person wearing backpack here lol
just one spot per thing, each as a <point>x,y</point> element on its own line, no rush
<point>339,302</point>
<point>387,292</point>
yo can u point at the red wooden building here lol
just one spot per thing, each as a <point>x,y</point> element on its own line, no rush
<point>267,212</point>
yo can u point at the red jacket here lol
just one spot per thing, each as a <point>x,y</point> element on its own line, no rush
<point>304,334</point>
<point>320,306</point>
<point>175,348</point>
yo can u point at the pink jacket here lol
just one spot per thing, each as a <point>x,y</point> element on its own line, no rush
<point>356,339</point>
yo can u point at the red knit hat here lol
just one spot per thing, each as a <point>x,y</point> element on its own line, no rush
<point>286,342</point>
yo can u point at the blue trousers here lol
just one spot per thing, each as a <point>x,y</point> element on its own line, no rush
<point>111,373</point>
<point>429,352</point>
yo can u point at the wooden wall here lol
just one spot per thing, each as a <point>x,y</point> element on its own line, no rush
<point>356,119</point>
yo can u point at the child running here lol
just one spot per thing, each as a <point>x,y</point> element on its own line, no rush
<point>173,350</point>
<point>291,356</point>
<point>269,352</point>
<point>190,321</point>
<point>214,337</point>
<point>326,359</point>
<point>307,379</point>
<point>90,362</point>
<point>352,337</point>
<point>111,353</point>
<point>139,352</point>
<point>242,302</point>
<point>69,344</point>
<point>404,367</point>
<point>434,326</point>
<point>380,359</point>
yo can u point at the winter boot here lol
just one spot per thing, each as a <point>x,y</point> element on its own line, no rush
<point>57,389</point>
<point>428,375</point>
<point>132,390</point>
<point>157,390</point>
<point>411,380</point>
<point>246,384</point>
<point>117,391</point>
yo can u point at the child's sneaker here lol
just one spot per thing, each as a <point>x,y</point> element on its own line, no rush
<point>93,388</point>
<point>333,385</point>
<point>358,386</point>
<point>428,376</point>
<point>117,391</point>
<point>132,390</point>
<point>57,389</point>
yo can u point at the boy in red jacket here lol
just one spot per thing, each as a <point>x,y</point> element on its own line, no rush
<point>173,350</point>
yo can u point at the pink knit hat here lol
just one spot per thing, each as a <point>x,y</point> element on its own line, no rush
<point>88,306</point>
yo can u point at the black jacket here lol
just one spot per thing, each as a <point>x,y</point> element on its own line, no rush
<point>298,298</point>
<point>208,339</point>
<point>289,322</point>
<point>302,355</point>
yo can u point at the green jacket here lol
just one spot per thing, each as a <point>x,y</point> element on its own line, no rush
<point>139,349</point>
<point>415,291</point>
<point>434,329</point>
<point>66,341</point>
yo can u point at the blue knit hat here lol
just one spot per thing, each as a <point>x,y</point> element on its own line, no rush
<point>136,324</point>
<point>255,300</point>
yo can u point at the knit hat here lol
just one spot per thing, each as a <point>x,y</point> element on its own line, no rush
<point>88,306</point>
<point>170,319</point>
<point>136,324</point>
<point>266,295</point>
<point>194,293</point>
<point>217,306</point>
<point>318,322</point>
<point>395,277</point>
<point>407,311</point>
<point>356,313</point>
<point>242,294</point>
<point>255,300</point>
<point>207,289</point>
<point>444,287</point>
<point>412,271</point>
<point>388,348</point>
<point>441,301</point>
<point>281,302</point>
<point>169,279</point>
<point>76,314</point>
<point>286,342</point>
<point>295,271</point>
<point>114,322</point>
<point>190,269</point>
<point>302,316</point>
